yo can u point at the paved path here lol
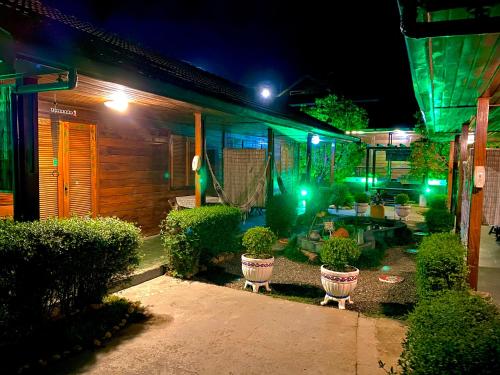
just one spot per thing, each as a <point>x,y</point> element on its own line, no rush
<point>199,328</point>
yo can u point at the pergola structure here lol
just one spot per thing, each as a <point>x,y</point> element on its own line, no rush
<point>453,48</point>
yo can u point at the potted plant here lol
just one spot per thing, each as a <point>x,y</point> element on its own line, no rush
<point>339,279</point>
<point>402,207</point>
<point>361,203</point>
<point>257,263</point>
<point>377,207</point>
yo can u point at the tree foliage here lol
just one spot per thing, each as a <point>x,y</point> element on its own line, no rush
<point>345,115</point>
<point>428,159</point>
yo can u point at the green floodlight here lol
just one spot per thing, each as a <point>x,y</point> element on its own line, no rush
<point>427,189</point>
<point>303,192</point>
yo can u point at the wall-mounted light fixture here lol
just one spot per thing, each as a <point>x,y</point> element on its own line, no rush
<point>315,139</point>
<point>118,102</point>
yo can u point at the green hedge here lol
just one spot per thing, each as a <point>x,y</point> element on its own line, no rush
<point>60,264</point>
<point>439,220</point>
<point>198,234</point>
<point>441,264</point>
<point>281,213</point>
<point>453,333</point>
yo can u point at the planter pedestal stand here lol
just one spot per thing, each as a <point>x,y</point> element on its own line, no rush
<point>256,285</point>
<point>341,300</point>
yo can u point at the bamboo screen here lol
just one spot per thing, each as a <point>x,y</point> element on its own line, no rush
<point>491,205</point>
<point>467,170</point>
<point>243,169</point>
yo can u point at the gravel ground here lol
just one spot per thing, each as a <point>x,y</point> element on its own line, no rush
<point>301,282</point>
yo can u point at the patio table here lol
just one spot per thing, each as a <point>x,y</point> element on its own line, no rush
<point>188,201</point>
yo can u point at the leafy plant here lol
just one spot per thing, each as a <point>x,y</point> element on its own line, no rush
<point>439,220</point>
<point>258,242</point>
<point>337,253</point>
<point>340,195</point>
<point>281,213</point>
<point>455,332</point>
<point>198,234</point>
<point>402,199</point>
<point>438,201</point>
<point>428,159</point>
<point>60,265</point>
<point>345,115</point>
<point>440,264</point>
<point>377,199</point>
<point>361,198</point>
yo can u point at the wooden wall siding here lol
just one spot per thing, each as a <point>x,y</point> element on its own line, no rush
<point>48,159</point>
<point>133,165</point>
<point>181,155</point>
<point>286,163</point>
<point>6,204</point>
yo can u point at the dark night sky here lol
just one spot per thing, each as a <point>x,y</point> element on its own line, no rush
<point>356,45</point>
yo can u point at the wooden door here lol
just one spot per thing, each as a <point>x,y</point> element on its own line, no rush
<point>67,162</point>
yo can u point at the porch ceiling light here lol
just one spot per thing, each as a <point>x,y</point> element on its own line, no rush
<point>118,102</point>
<point>265,92</point>
<point>315,139</point>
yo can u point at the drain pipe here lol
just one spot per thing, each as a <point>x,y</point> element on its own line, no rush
<point>481,24</point>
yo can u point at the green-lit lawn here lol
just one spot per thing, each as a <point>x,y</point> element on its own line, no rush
<point>153,253</point>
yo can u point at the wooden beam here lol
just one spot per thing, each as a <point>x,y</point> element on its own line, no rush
<point>451,162</point>
<point>367,168</point>
<point>463,158</point>
<point>269,172</point>
<point>454,184</point>
<point>332,161</point>
<point>25,138</point>
<point>200,183</point>
<point>308,157</point>
<point>476,203</point>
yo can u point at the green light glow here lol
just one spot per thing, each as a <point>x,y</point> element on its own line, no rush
<point>428,190</point>
<point>361,180</point>
<point>437,182</point>
<point>303,203</point>
<point>303,192</point>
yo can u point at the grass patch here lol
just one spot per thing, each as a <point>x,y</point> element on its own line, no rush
<point>371,258</point>
<point>217,275</point>
<point>304,293</point>
<point>292,252</point>
<point>65,336</point>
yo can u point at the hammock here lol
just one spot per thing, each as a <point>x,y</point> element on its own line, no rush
<point>245,207</point>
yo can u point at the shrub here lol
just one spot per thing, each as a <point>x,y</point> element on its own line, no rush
<point>198,234</point>
<point>340,195</point>
<point>438,201</point>
<point>337,253</point>
<point>402,199</point>
<point>61,263</point>
<point>258,242</point>
<point>361,198</point>
<point>441,264</point>
<point>439,220</point>
<point>281,213</point>
<point>453,333</point>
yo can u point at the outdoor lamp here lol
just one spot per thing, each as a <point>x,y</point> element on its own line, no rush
<point>315,139</point>
<point>118,102</point>
<point>265,92</point>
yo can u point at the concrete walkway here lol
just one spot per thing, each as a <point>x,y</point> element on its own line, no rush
<point>199,328</point>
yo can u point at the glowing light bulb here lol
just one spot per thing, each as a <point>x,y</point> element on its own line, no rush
<point>315,139</point>
<point>118,102</point>
<point>265,93</point>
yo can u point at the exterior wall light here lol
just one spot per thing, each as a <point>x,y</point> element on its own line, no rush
<point>265,92</point>
<point>315,139</point>
<point>117,102</point>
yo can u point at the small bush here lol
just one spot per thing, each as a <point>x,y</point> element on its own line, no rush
<point>441,264</point>
<point>60,264</point>
<point>361,198</point>
<point>439,220</point>
<point>198,234</point>
<point>258,242</point>
<point>453,333</point>
<point>281,214</point>
<point>402,199</point>
<point>438,201</point>
<point>337,253</point>
<point>341,195</point>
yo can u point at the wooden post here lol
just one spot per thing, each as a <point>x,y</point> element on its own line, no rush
<point>308,157</point>
<point>25,138</point>
<point>476,202</point>
<point>374,165</point>
<point>200,184</point>
<point>269,172</point>
<point>451,162</point>
<point>463,158</point>
<point>367,168</point>
<point>332,161</point>
<point>456,153</point>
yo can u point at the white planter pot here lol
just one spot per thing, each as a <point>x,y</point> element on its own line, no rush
<point>338,285</point>
<point>257,272</point>
<point>402,210</point>
<point>361,208</point>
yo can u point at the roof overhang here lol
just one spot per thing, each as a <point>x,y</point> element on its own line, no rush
<point>454,57</point>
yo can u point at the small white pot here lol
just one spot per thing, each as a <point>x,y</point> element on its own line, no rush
<point>339,284</point>
<point>257,270</point>
<point>361,208</point>
<point>402,210</point>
